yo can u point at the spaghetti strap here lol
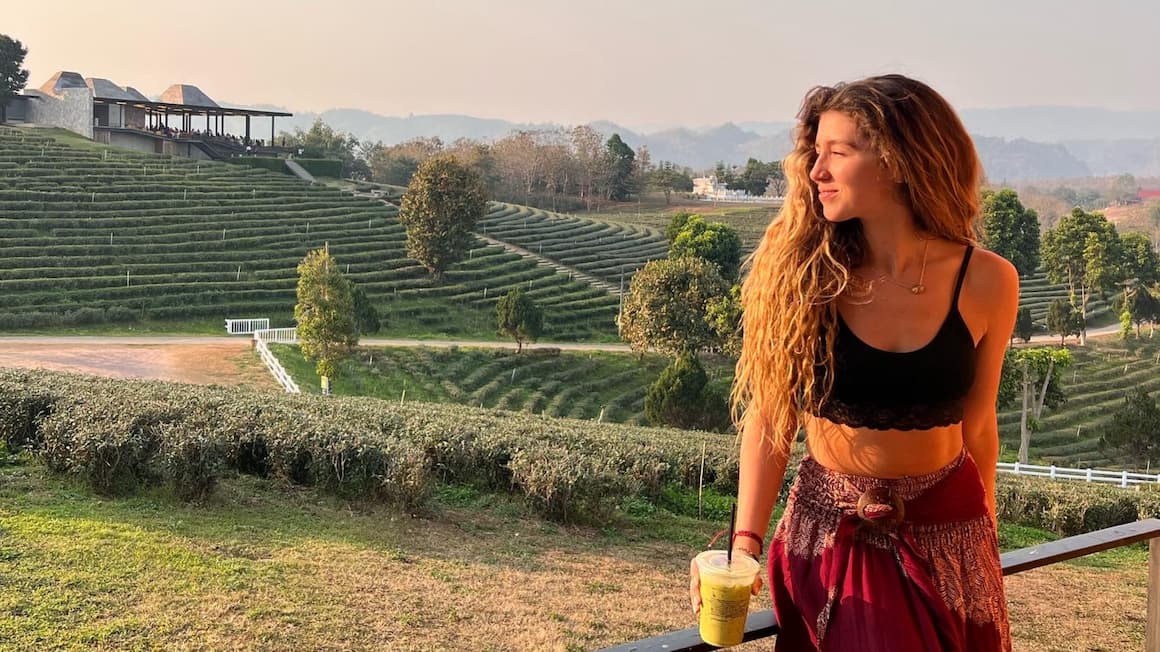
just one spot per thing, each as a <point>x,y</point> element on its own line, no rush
<point>962,275</point>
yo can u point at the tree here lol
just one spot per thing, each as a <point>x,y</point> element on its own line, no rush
<point>716,242</point>
<point>13,75</point>
<point>1139,261</point>
<point>1124,190</point>
<point>676,225</point>
<point>322,141</point>
<point>1032,375</point>
<point>439,211</point>
<point>1063,320</point>
<point>666,306</point>
<point>756,177</point>
<point>366,316</point>
<point>518,317</point>
<point>724,316</point>
<point>682,397</point>
<point>1011,230</point>
<point>1143,306</point>
<point>324,312</point>
<point>1024,326</point>
<point>1082,251</point>
<point>668,178</point>
<point>1134,431</point>
<point>620,168</point>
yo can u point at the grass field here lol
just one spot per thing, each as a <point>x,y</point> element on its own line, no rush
<point>264,566</point>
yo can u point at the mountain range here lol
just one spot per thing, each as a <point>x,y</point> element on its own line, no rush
<point>1015,143</point>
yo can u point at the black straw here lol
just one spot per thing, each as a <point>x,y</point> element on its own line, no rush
<point>729,545</point>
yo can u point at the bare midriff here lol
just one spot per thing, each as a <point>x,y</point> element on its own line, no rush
<point>881,453</point>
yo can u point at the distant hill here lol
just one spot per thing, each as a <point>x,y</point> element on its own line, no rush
<point>1016,144</point>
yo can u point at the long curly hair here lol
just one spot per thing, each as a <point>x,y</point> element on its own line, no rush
<point>804,262</point>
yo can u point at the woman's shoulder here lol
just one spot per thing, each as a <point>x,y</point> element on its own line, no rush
<point>990,271</point>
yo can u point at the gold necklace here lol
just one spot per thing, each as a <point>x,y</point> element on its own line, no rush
<point>917,288</point>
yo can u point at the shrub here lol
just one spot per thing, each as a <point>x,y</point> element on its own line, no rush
<point>1069,508</point>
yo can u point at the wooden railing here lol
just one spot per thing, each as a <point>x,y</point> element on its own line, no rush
<point>762,624</point>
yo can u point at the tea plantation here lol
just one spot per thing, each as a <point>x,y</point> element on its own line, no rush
<point>93,235</point>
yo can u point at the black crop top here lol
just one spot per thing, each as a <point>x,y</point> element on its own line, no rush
<point>912,390</point>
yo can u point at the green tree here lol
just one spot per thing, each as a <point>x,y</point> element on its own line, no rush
<point>1011,230</point>
<point>1134,431</point>
<point>621,168</point>
<point>323,141</point>
<point>1082,251</point>
<point>518,317</point>
<point>1143,307</point>
<point>439,211</point>
<point>681,397</point>
<point>1063,320</point>
<point>1139,260</point>
<point>756,177</point>
<point>724,316</point>
<point>1032,375</point>
<point>676,225</point>
<point>666,306</point>
<point>716,242</point>
<point>1024,326</point>
<point>366,316</point>
<point>669,178</point>
<point>13,75</point>
<point>324,312</point>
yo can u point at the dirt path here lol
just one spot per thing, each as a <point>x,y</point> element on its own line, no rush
<point>224,362</point>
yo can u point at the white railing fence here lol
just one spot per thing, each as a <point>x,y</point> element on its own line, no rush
<point>246,326</point>
<point>277,335</point>
<point>1122,478</point>
<point>281,336</point>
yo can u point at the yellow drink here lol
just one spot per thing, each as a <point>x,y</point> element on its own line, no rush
<point>725,591</point>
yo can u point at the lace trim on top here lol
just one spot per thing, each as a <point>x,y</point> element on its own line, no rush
<point>892,417</point>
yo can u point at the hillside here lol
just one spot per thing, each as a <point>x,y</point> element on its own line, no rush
<point>94,235</point>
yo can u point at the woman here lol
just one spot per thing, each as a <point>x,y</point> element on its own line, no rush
<point>874,323</point>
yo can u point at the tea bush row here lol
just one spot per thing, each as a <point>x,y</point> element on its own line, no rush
<point>118,435</point>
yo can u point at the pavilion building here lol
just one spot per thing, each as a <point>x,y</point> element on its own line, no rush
<point>183,121</point>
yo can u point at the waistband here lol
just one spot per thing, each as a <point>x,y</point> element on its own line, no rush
<point>950,493</point>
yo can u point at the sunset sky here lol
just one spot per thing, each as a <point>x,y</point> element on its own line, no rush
<point>645,63</point>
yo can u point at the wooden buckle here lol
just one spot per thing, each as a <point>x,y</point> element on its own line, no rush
<point>880,507</point>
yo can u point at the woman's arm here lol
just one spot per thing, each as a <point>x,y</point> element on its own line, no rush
<point>762,468</point>
<point>998,282</point>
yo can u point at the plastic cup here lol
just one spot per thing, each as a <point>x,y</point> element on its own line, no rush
<point>725,591</point>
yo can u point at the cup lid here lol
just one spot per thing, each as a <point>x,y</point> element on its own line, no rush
<point>717,562</point>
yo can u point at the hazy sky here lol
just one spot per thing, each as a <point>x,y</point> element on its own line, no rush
<point>641,63</point>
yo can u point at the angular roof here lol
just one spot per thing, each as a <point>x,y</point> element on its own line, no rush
<point>108,90</point>
<point>186,94</point>
<point>137,95</point>
<point>62,80</point>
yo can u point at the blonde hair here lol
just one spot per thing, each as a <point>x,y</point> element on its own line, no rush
<point>804,262</point>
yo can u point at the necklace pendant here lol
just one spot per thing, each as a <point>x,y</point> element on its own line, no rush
<point>918,289</point>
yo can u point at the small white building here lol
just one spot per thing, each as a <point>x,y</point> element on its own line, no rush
<point>710,188</point>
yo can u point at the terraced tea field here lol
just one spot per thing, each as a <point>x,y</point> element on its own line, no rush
<point>1095,385</point>
<point>581,385</point>
<point>608,251</point>
<point>114,235</point>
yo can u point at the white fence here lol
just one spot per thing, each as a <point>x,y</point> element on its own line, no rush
<point>281,336</point>
<point>277,335</point>
<point>1122,478</point>
<point>246,326</point>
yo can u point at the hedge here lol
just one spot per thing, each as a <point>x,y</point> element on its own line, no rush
<point>120,435</point>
